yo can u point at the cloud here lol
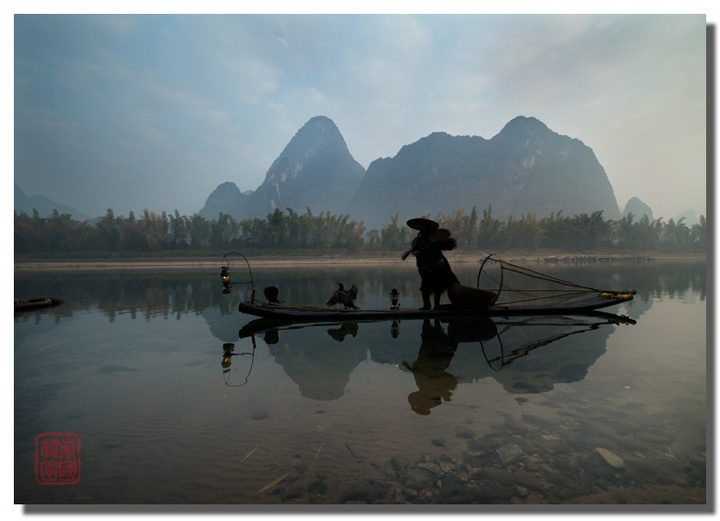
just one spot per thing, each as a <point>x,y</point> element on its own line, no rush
<point>130,105</point>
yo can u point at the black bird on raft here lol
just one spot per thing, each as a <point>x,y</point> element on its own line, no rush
<point>271,294</point>
<point>344,296</point>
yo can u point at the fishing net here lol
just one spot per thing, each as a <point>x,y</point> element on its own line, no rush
<point>517,337</point>
<point>519,287</point>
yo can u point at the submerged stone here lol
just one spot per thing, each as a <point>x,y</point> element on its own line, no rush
<point>431,466</point>
<point>527,480</point>
<point>500,476</point>
<point>419,478</point>
<point>516,425</point>
<point>365,491</point>
<point>464,432</point>
<point>509,453</point>
<point>361,491</point>
<point>259,414</point>
<point>610,458</point>
<point>399,463</point>
<point>455,491</point>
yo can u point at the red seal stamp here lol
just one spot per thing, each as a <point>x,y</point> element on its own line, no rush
<point>57,458</point>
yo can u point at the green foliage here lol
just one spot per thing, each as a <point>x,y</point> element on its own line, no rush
<point>290,231</point>
<point>162,233</point>
<point>395,237</point>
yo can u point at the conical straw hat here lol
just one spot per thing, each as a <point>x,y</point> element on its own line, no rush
<point>422,223</point>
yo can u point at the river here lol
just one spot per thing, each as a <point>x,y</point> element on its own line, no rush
<point>163,393</point>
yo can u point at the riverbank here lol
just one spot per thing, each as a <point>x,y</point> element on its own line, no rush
<point>280,261</point>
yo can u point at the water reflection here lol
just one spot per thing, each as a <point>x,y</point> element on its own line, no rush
<point>525,354</point>
<point>170,295</point>
<point>227,359</point>
<point>437,349</point>
<point>150,370</point>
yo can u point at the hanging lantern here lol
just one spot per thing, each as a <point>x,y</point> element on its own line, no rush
<point>225,276</point>
<point>394,299</point>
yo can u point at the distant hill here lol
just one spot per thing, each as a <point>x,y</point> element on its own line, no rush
<point>639,209</point>
<point>526,168</point>
<point>636,207</point>
<point>689,216</point>
<point>226,198</point>
<point>315,170</point>
<point>44,206</point>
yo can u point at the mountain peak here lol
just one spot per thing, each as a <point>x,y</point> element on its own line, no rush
<point>315,170</point>
<point>526,168</point>
<point>319,134</point>
<point>638,208</point>
<point>523,127</point>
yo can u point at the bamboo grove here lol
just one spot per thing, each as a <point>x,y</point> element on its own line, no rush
<point>289,230</point>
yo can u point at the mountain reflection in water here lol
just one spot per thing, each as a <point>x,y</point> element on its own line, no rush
<point>516,352</point>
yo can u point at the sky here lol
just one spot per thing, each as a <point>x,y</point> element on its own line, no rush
<point>155,111</point>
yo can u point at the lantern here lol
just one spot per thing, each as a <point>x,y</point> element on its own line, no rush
<point>394,302</point>
<point>225,276</point>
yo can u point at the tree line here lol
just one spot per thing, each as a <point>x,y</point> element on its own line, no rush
<point>288,230</point>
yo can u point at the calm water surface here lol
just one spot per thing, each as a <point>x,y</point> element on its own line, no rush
<point>178,398</point>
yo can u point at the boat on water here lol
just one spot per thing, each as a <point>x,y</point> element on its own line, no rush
<point>32,304</point>
<point>274,311</point>
<point>515,290</point>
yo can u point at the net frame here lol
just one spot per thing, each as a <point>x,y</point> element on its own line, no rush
<point>538,288</point>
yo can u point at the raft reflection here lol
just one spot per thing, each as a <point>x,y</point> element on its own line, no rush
<point>503,348</point>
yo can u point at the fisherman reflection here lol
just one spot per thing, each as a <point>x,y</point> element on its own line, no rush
<point>434,383</point>
<point>437,349</point>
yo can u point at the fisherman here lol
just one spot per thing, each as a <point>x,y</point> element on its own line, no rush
<point>436,276</point>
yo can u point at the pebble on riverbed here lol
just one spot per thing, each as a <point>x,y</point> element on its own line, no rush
<point>611,458</point>
<point>509,453</point>
<point>259,414</point>
<point>530,459</point>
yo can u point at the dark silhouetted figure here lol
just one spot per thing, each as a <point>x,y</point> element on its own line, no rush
<point>435,272</point>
